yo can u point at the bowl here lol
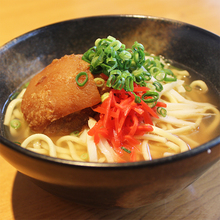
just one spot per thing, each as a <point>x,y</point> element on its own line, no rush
<point>126,185</point>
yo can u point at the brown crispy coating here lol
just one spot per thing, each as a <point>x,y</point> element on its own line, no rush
<point>53,93</point>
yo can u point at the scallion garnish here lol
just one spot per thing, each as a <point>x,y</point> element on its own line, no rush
<point>158,86</point>
<point>15,123</point>
<point>126,150</point>
<point>150,97</point>
<point>162,111</point>
<point>84,81</point>
<point>99,82</point>
<point>170,77</point>
<point>84,156</point>
<point>104,96</point>
<point>137,98</point>
<point>14,96</point>
<point>124,67</point>
<point>25,85</point>
<point>188,88</point>
<point>75,133</point>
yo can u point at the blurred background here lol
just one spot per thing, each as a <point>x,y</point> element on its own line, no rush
<point>21,16</point>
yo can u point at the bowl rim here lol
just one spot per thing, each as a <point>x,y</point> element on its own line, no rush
<point>155,162</point>
<point>137,16</point>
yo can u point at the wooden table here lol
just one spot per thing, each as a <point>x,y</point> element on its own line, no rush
<point>20,198</point>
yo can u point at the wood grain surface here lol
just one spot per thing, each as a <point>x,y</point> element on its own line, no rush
<point>20,199</point>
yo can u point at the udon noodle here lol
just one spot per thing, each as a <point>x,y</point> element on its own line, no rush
<point>172,134</point>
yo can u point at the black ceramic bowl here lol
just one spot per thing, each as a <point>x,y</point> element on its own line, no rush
<point>128,184</point>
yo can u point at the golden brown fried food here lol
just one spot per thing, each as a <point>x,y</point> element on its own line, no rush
<point>53,94</point>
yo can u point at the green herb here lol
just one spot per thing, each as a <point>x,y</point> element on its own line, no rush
<point>124,67</point>
<point>15,123</point>
<point>99,82</point>
<point>162,111</point>
<point>158,86</point>
<point>126,150</point>
<point>104,96</point>
<point>85,80</point>
<point>137,98</point>
<point>25,85</point>
<point>188,88</point>
<point>150,97</point>
<point>76,133</point>
<point>14,96</point>
<point>84,156</point>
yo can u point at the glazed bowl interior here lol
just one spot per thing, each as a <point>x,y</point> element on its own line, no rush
<point>185,44</point>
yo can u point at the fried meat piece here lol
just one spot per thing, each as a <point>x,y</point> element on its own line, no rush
<point>69,123</point>
<point>53,94</point>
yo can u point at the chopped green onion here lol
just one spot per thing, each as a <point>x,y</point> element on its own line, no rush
<point>84,156</point>
<point>188,88</point>
<point>152,104</point>
<point>158,86</point>
<point>85,80</point>
<point>170,77</point>
<point>124,67</point>
<point>150,97</point>
<point>137,98</point>
<point>129,83</point>
<point>151,86</point>
<point>18,143</point>
<point>104,96</point>
<point>76,133</point>
<point>14,96</point>
<point>125,55</point>
<point>115,44</point>
<point>137,46</point>
<point>15,123</point>
<point>139,58</point>
<point>126,150</point>
<point>158,73</point>
<point>99,82</point>
<point>162,111</point>
<point>25,85</point>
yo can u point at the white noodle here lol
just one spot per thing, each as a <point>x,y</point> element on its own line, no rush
<point>10,109</point>
<point>41,137</point>
<point>180,106</point>
<point>171,137</point>
<point>64,156</point>
<point>106,150</point>
<point>152,137</point>
<point>146,150</point>
<point>173,146</point>
<point>187,113</point>
<point>167,154</point>
<point>70,138</point>
<point>199,84</point>
<point>18,114</point>
<point>182,129</point>
<point>39,151</point>
<point>21,94</point>
<point>73,152</point>
<point>174,121</point>
<point>92,149</point>
<point>36,144</point>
